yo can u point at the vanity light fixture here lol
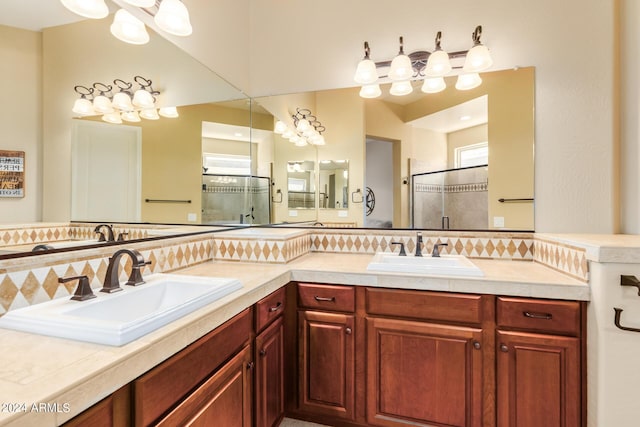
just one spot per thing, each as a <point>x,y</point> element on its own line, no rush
<point>430,66</point>
<point>124,104</point>
<point>170,16</point>
<point>307,129</point>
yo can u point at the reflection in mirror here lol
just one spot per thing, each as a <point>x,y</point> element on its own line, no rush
<point>334,184</point>
<point>420,133</point>
<point>301,184</point>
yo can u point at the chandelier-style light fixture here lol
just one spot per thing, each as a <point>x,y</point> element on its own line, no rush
<point>307,129</point>
<point>170,16</point>
<point>429,66</point>
<point>125,104</point>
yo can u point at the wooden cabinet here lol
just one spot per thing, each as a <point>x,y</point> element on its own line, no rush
<point>112,411</point>
<point>423,374</point>
<point>539,363</point>
<point>326,361</point>
<point>269,392</point>
<point>223,400</point>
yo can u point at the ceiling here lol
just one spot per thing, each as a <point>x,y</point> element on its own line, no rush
<point>462,116</point>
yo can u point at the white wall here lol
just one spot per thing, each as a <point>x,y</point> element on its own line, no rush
<point>309,45</point>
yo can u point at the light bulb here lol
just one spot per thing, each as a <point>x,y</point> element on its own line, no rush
<point>433,85</point>
<point>128,28</point>
<point>168,112</point>
<point>173,17</point>
<point>370,91</point>
<point>468,81</point>
<point>401,88</point>
<point>93,9</point>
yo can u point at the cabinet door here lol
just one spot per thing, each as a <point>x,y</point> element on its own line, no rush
<point>270,375</point>
<point>224,400</point>
<point>423,374</point>
<point>538,379</point>
<point>327,362</point>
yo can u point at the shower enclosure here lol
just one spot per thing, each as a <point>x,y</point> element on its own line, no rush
<point>235,199</point>
<point>451,199</point>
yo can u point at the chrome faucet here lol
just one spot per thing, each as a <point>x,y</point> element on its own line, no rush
<point>109,237</point>
<point>419,244</point>
<point>436,251</point>
<point>112,280</point>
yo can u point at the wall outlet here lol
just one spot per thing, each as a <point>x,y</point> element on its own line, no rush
<point>293,213</point>
<point>343,214</point>
<point>498,221</point>
<point>192,217</point>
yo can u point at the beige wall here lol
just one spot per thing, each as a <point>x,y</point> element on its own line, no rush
<point>21,117</point>
<point>462,138</point>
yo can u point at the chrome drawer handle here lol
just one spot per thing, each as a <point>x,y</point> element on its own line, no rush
<point>323,299</point>
<point>544,316</point>
<point>277,307</point>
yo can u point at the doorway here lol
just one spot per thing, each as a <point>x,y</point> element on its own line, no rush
<point>378,183</point>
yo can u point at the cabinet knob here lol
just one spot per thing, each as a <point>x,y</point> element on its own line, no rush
<point>504,348</point>
<point>477,345</point>
<point>250,365</point>
<point>263,352</point>
<point>348,331</point>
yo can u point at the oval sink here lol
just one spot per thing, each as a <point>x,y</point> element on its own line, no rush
<point>119,318</point>
<point>444,265</point>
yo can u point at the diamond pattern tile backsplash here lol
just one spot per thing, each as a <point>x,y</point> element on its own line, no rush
<point>565,258</point>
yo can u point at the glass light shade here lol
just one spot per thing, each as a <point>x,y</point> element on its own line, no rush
<point>478,59</point>
<point>438,64</point>
<point>370,91</point>
<point>300,142</point>
<point>173,17</point>
<point>295,138</point>
<point>112,118</point>
<point>401,68</point>
<point>130,116</point>
<point>434,85</point>
<point>288,134</point>
<point>168,112</point>
<point>143,99</point>
<point>122,101</point>
<point>317,140</point>
<point>309,132</point>
<point>102,104</point>
<point>128,28</point>
<point>401,88</point>
<point>468,81</point>
<point>366,72</point>
<point>94,9</point>
<point>280,127</point>
<point>149,114</point>
<point>303,124</point>
<point>141,3</point>
<point>84,107</point>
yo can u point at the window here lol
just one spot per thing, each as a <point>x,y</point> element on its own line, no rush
<point>472,155</point>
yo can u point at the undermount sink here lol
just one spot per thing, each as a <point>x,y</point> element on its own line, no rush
<point>444,265</point>
<point>119,318</point>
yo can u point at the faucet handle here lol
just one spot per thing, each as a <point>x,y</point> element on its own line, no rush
<point>135,278</point>
<point>121,236</point>
<point>436,251</point>
<point>83,290</point>
<point>402,251</point>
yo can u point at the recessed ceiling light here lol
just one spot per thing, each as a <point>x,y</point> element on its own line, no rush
<point>237,134</point>
<point>463,118</point>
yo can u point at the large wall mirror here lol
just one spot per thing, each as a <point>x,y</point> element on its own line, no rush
<point>456,160</point>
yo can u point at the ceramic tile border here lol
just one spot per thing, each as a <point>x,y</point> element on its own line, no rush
<point>568,259</point>
<point>515,246</point>
<point>24,282</point>
<point>34,233</point>
<point>260,249</point>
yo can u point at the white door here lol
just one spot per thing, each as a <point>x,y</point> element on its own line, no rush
<point>106,172</point>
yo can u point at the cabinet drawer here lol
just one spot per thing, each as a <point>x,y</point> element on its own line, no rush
<point>560,317</point>
<point>425,305</point>
<point>268,308</point>
<point>162,387</point>
<point>326,297</point>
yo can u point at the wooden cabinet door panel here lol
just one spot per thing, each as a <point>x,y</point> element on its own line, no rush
<point>423,374</point>
<point>327,363</point>
<point>538,379</point>
<point>270,375</point>
<point>224,400</point>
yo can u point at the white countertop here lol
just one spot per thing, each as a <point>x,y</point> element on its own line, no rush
<point>37,369</point>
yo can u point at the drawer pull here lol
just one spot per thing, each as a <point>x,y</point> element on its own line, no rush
<point>276,307</point>
<point>544,316</point>
<point>348,331</point>
<point>323,299</point>
<point>504,348</point>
